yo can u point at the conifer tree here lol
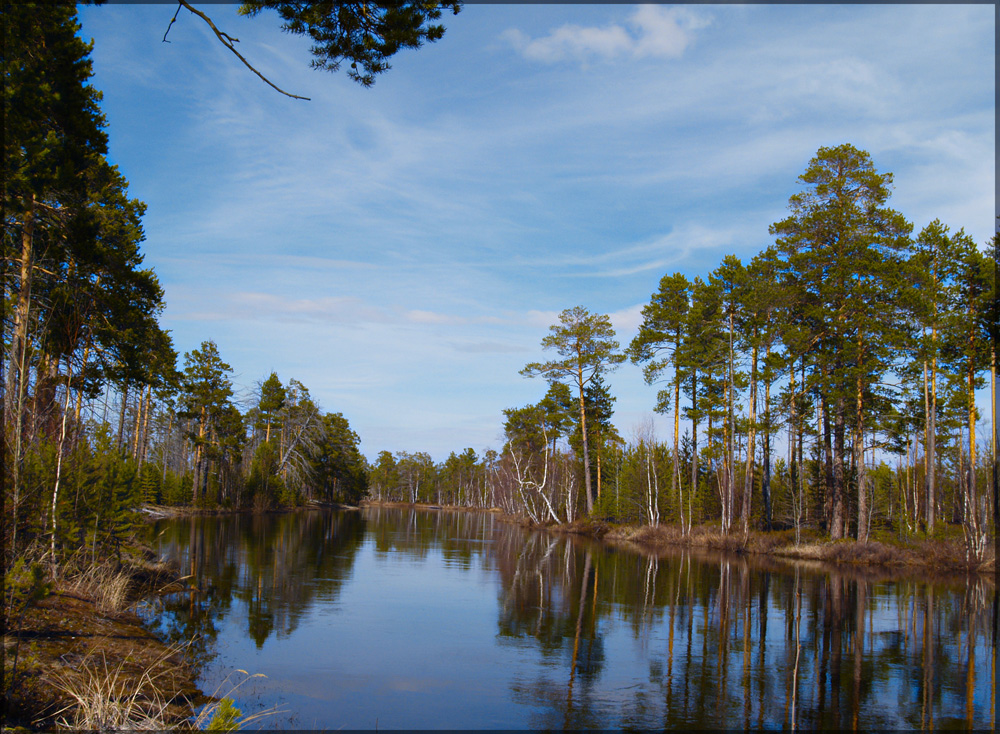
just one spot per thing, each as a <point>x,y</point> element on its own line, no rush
<point>656,347</point>
<point>844,248</point>
<point>586,343</point>
<point>206,393</point>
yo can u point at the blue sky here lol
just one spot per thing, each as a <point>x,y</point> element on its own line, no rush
<point>402,250</point>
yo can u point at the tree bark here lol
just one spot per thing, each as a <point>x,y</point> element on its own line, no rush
<point>748,476</point>
<point>583,437</point>
<point>17,385</point>
<point>694,439</point>
<point>59,456</point>
<point>675,477</point>
<point>837,529</point>
<point>765,485</point>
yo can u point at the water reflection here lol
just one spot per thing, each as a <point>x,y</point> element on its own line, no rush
<point>582,635</point>
<point>277,565</point>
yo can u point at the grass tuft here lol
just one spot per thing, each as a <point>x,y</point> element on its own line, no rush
<point>106,698</point>
<point>104,583</point>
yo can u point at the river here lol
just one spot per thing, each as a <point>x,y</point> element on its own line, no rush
<point>394,618</point>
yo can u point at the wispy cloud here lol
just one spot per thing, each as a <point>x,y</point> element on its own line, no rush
<point>489,347</point>
<point>650,32</point>
<point>403,249</point>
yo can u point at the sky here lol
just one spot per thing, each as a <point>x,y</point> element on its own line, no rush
<point>402,250</point>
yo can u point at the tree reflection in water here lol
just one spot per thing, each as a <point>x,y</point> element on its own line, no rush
<point>850,655</point>
<point>275,564</point>
<point>593,636</point>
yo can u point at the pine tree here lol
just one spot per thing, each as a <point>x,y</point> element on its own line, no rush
<point>586,343</point>
<point>206,391</point>
<point>656,347</point>
<point>844,249</point>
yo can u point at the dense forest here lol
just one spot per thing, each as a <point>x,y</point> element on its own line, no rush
<point>828,383</point>
<point>100,412</point>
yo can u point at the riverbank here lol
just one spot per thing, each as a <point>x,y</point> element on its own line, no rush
<point>941,553</point>
<point>84,660</point>
<point>162,512</point>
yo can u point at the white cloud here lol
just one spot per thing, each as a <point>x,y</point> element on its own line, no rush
<point>653,32</point>
<point>418,316</point>
<point>626,321</point>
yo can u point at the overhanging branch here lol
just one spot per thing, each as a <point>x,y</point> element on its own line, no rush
<point>228,42</point>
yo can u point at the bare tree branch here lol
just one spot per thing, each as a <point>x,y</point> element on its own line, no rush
<point>228,42</point>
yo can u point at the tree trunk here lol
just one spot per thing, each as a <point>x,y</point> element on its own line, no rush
<point>932,451</point>
<point>121,416</point>
<point>859,449</point>
<point>198,454</point>
<point>59,456</point>
<point>694,440</point>
<point>17,385</point>
<point>765,485</point>
<point>838,520</point>
<point>675,476</point>
<point>748,476</point>
<point>583,437</point>
<point>993,434</point>
<point>138,425</point>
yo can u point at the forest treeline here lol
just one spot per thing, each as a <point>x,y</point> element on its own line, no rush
<point>830,382</point>
<point>100,412</point>
<point>827,383</point>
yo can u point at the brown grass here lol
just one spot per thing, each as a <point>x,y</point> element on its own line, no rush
<point>105,584</point>
<point>848,551</point>
<point>945,553</point>
<point>106,698</point>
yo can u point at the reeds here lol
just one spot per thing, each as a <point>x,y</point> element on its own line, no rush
<point>102,697</point>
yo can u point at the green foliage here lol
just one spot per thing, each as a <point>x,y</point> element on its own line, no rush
<point>176,489</point>
<point>364,34</point>
<point>263,484</point>
<point>149,484</point>
<point>226,717</point>
<point>586,343</point>
<point>24,583</point>
<point>117,494</point>
<point>339,470</point>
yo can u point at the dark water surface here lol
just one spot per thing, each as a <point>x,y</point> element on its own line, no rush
<point>406,619</point>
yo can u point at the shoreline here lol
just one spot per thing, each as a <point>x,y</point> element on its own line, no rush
<point>943,554</point>
<point>78,649</point>
<point>940,555</point>
<point>71,638</point>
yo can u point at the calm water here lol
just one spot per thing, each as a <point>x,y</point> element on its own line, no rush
<point>402,619</point>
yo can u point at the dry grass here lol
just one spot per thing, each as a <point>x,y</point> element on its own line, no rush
<point>107,698</point>
<point>847,551</point>
<point>103,697</point>
<point>105,584</point>
<point>653,535</point>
